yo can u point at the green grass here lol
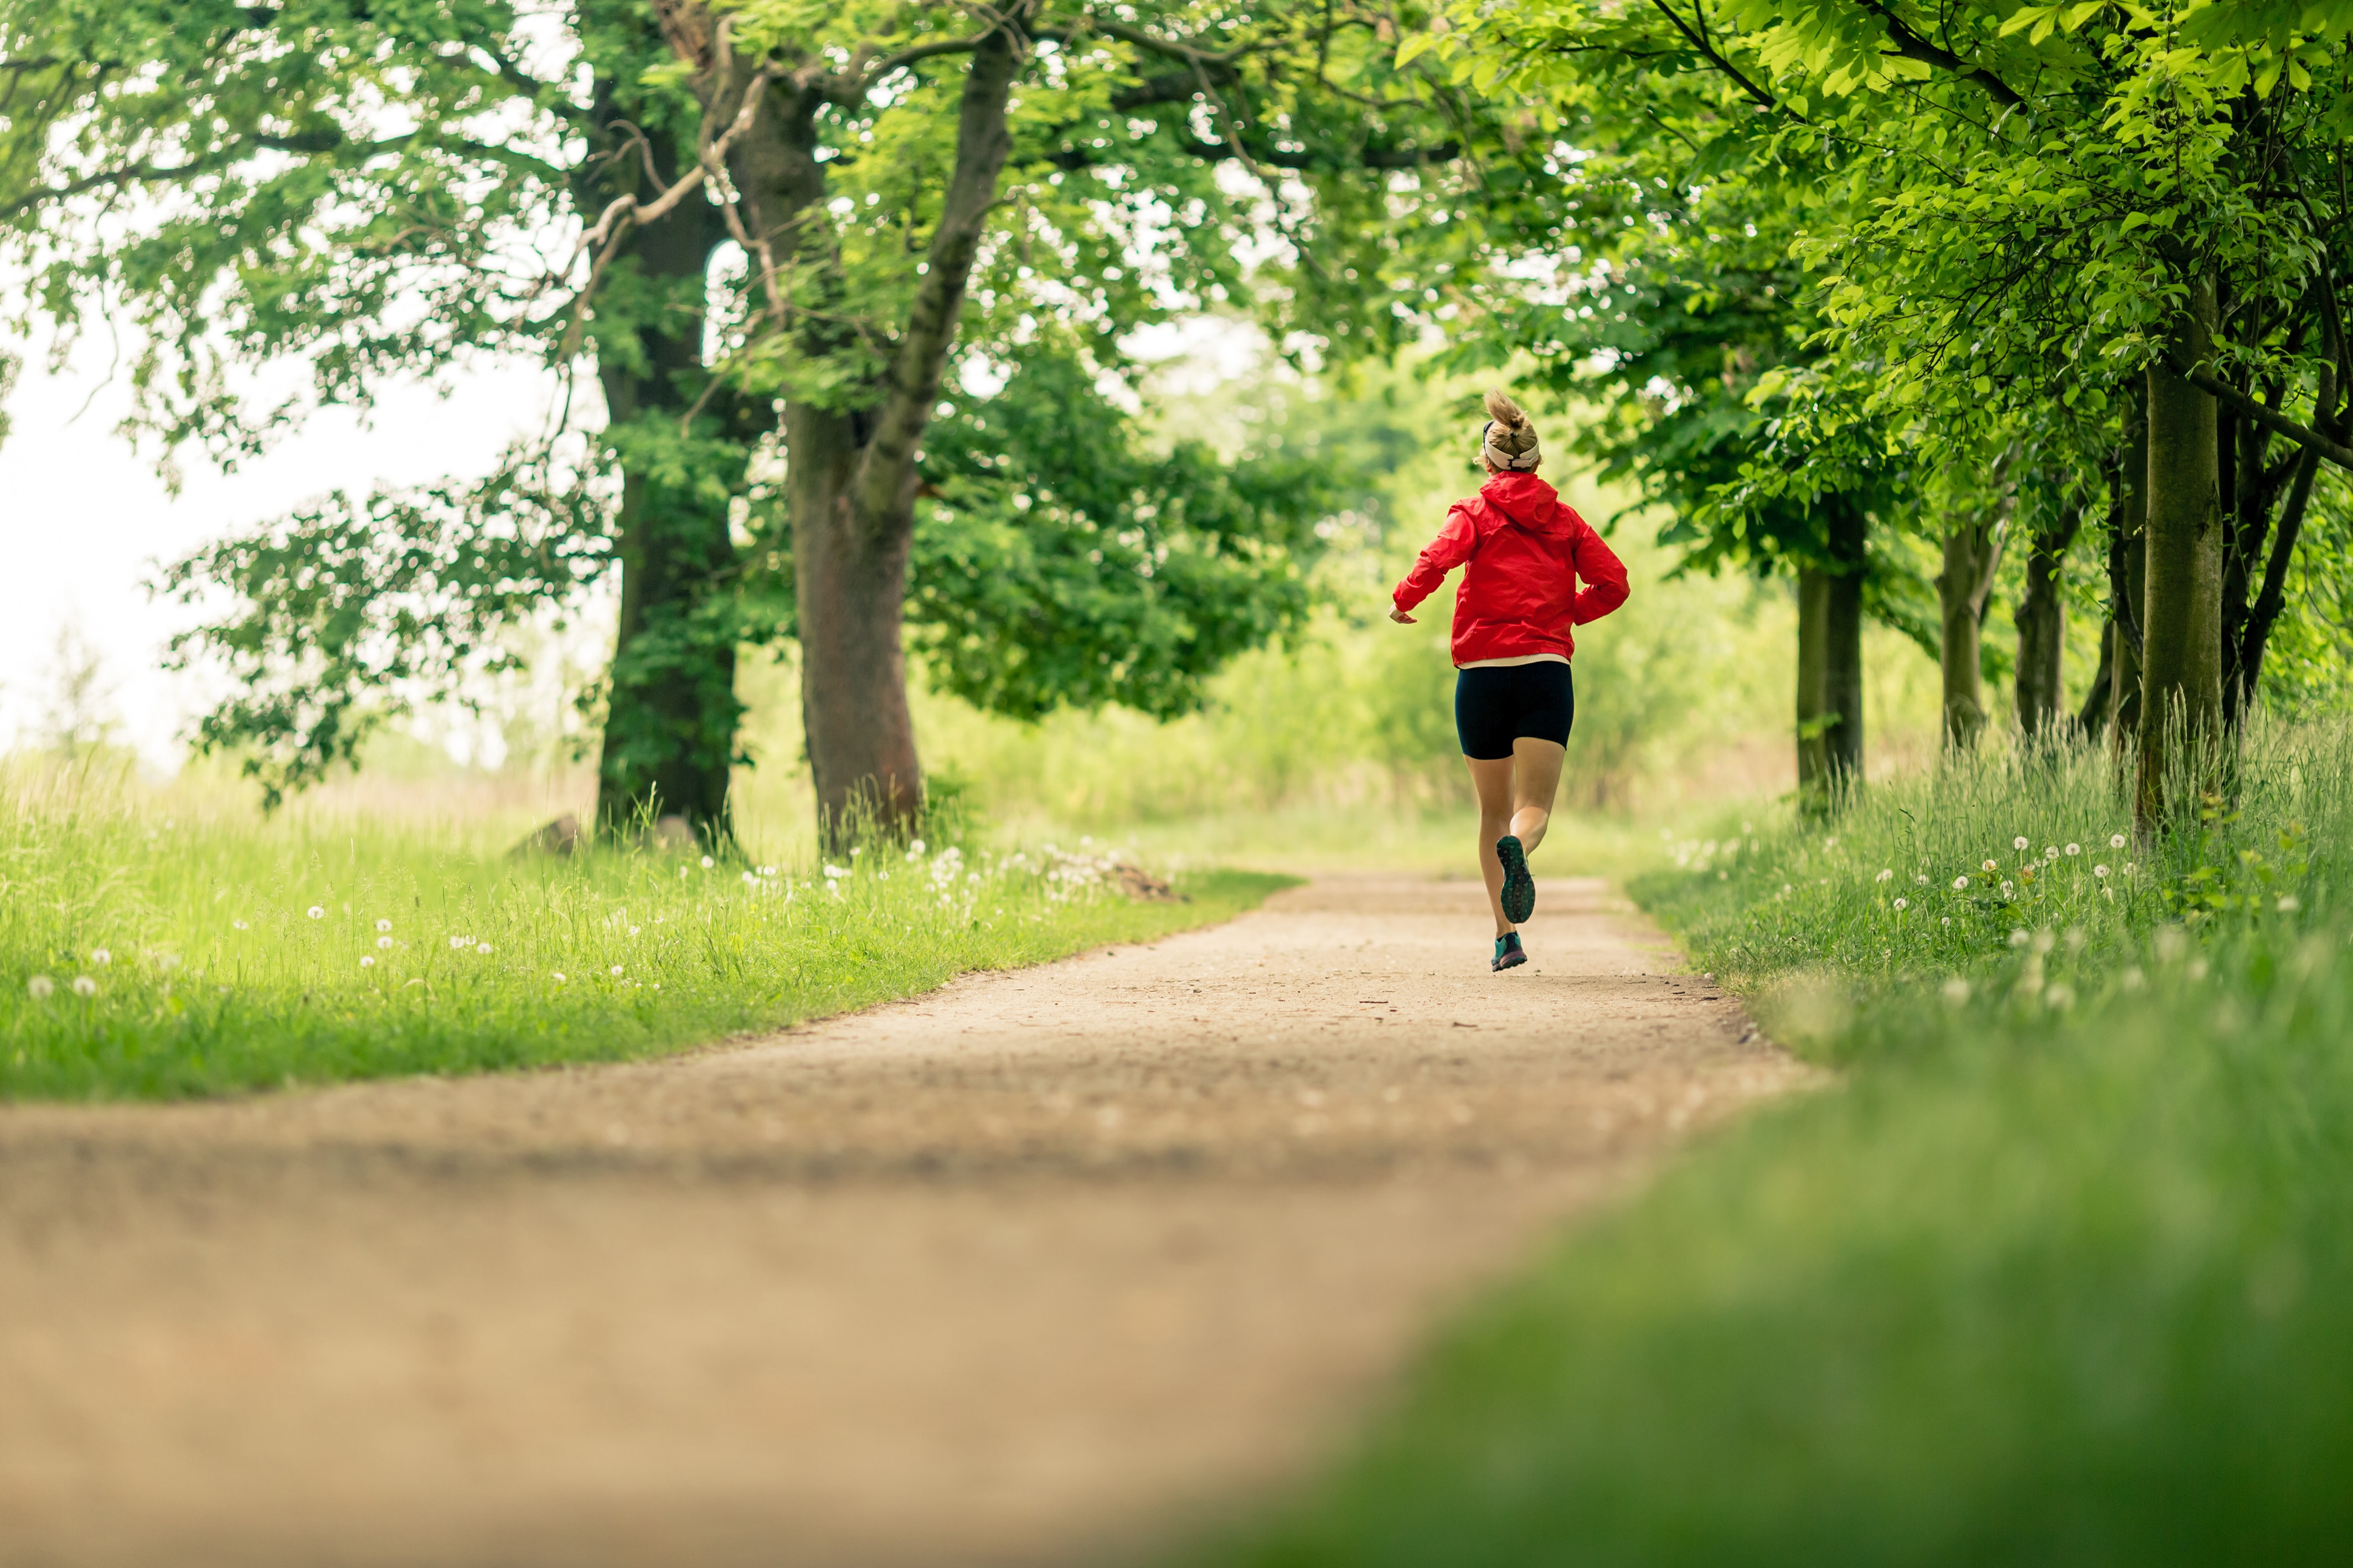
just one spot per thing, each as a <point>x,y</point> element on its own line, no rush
<point>2060,1272</point>
<point>219,953</point>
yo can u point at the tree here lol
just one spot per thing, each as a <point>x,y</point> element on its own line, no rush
<point>854,215</point>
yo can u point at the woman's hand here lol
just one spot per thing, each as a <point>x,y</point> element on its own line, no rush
<point>1399,616</point>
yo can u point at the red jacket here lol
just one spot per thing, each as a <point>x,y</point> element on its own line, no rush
<point>1527,550</point>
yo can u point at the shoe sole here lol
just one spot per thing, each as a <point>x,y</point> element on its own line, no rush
<point>1510,960</point>
<point>1519,887</point>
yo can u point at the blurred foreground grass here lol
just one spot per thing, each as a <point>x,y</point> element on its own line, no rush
<point>149,950</point>
<point>2061,1272</point>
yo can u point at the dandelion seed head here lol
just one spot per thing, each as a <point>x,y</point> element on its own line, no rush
<point>2019,938</point>
<point>1885,876</point>
<point>237,925</point>
<point>2017,843</point>
<point>317,913</point>
<point>384,925</point>
<point>708,862</point>
<point>1990,865</point>
<point>484,948</point>
<point>2050,851</point>
<point>1920,879</point>
<point>1956,990</point>
<point>40,985</point>
<point>1960,884</point>
<point>383,942</point>
<point>2289,903</point>
<point>367,961</point>
<point>1903,904</point>
<point>559,977</point>
<point>2115,840</point>
<point>2101,872</point>
<point>83,985</point>
<point>917,845</point>
<point>616,969</point>
<point>2073,849</point>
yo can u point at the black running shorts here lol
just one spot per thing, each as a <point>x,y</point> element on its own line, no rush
<point>1497,705</point>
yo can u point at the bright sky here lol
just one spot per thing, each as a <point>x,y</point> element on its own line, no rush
<point>87,521</point>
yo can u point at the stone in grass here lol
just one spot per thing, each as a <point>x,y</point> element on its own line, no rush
<point>673,835</point>
<point>561,836</point>
<point>1144,889</point>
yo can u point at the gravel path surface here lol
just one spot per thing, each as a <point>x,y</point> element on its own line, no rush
<point>1035,1269</point>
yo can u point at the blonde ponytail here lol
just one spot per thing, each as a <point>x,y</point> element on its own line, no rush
<point>1509,441</point>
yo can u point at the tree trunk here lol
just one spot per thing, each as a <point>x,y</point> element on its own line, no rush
<point>1972,552</point>
<point>671,712</point>
<point>2128,569</point>
<point>2041,621</point>
<point>2181,656</point>
<point>851,581</point>
<point>2273,596</point>
<point>1829,664</point>
<point>851,472</point>
<point>2092,717</point>
<point>1813,645</point>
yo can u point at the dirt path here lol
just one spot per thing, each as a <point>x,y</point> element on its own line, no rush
<point>1031,1271</point>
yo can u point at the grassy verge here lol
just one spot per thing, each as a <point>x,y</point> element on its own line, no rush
<point>2061,1273</point>
<point>144,957</point>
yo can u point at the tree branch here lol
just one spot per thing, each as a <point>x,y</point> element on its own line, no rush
<point>2279,424</point>
<point>1763,99</point>
<point>1912,46</point>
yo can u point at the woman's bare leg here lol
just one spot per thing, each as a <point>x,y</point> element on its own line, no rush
<point>1491,778</point>
<point>1536,779</point>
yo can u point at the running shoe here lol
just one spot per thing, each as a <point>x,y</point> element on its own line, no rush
<point>1509,954</point>
<point>1519,887</point>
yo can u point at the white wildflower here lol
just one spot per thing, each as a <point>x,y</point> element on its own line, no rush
<point>384,925</point>
<point>1920,879</point>
<point>559,977</point>
<point>317,913</point>
<point>2050,851</point>
<point>616,969</point>
<point>367,961</point>
<point>40,985</point>
<point>2009,888</point>
<point>916,847</point>
<point>1960,884</point>
<point>708,862</point>
<point>1885,876</point>
<point>1990,865</point>
<point>1903,904</point>
<point>383,942</point>
<point>2017,843</point>
<point>83,985</point>
<point>237,925</point>
<point>482,947</point>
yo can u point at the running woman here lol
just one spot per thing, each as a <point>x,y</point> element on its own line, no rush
<point>1513,699</point>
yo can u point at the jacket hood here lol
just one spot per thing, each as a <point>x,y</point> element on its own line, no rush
<point>1528,502</point>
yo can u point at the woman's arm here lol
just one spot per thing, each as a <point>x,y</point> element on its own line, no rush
<point>1604,575</point>
<point>1451,549</point>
